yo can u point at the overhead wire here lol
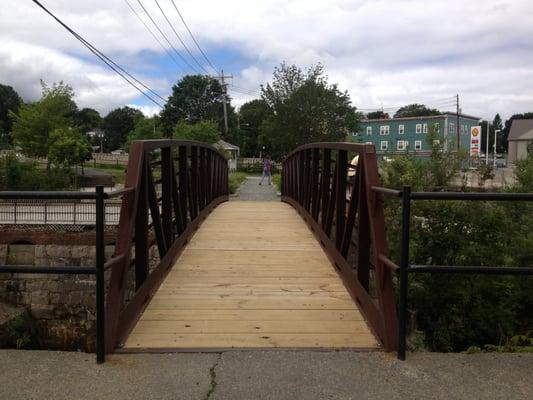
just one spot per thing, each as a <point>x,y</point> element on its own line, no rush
<point>154,36</point>
<point>166,38</point>
<point>179,38</point>
<point>110,63</point>
<point>193,38</point>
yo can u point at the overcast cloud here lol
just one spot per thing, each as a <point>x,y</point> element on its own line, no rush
<point>385,53</point>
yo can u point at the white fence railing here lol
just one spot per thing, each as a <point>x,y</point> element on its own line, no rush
<point>56,213</point>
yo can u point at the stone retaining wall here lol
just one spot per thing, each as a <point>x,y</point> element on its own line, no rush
<point>62,306</point>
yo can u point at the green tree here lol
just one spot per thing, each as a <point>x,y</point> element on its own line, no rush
<point>305,108</point>
<point>377,115</point>
<point>203,131</point>
<point>195,98</point>
<point>9,102</point>
<point>68,148</point>
<point>87,119</point>
<point>251,115</point>
<point>415,110</point>
<point>118,124</point>
<point>34,123</point>
<point>148,128</point>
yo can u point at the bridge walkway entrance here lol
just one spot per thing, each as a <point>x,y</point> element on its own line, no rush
<point>252,276</point>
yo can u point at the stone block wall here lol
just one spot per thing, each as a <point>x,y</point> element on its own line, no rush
<point>62,306</point>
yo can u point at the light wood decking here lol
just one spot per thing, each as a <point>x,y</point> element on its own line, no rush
<point>253,276</point>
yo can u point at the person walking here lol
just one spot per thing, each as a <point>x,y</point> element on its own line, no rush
<point>267,169</point>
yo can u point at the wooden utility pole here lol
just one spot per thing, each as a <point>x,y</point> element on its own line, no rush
<point>225,98</point>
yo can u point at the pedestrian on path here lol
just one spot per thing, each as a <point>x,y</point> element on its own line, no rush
<point>267,169</point>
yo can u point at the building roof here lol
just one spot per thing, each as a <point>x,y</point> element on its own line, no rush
<point>521,129</point>
<point>444,114</point>
<point>225,145</point>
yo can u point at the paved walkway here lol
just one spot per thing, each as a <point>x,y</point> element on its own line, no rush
<point>273,375</point>
<point>250,190</point>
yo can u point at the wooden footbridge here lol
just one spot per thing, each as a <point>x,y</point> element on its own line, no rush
<point>311,271</point>
<point>307,272</point>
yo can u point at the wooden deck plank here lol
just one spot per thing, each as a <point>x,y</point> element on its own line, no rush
<point>252,276</point>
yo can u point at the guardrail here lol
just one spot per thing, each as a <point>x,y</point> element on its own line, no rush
<point>405,268</point>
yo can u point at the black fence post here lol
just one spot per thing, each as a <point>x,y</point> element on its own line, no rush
<point>404,265</point>
<point>100,285</point>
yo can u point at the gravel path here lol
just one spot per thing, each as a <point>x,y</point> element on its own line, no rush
<point>251,190</point>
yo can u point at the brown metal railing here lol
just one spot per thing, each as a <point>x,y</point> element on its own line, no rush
<point>347,218</point>
<point>171,186</point>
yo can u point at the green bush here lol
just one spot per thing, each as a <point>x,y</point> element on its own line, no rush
<point>19,175</point>
<point>235,180</point>
<point>276,181</point>
<point>457,312</point>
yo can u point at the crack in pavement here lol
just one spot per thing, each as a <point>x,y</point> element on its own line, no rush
<point>213,374</point>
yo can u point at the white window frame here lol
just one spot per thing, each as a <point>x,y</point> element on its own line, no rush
<point>425,128</point>
<point>402,147</point>
<point>386,147</point>
<point>368,131</point>
<point>418,145</point>
<point>437,126</point>
<point>384,130</point>
<point>369,143</point>
<point>401,129</point>
<point>418,129</point>
<point>451,128</point>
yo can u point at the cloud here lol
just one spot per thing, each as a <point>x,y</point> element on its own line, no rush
<point>384,52</point>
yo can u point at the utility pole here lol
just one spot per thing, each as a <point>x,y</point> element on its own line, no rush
<point>487,152</point>
<point>225,98</point>
<point>458,135</point>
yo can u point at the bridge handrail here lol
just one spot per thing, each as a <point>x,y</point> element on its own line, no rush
<point>335,206</point>
<point>175,183</point>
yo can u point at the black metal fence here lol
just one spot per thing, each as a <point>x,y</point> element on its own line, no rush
<point>98,197</point>
<point>405,268</point>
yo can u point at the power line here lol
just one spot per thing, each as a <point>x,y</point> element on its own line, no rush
<point>193,38</point>
<point>110,63</point>
<point>246,92</point>
<point>179,38</point>
<point>168,41</point>
<point>154,36</point>
<point>255,91</point>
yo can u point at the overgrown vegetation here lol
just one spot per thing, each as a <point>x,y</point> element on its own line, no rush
<point>235,180</point>
<point>21,175</point>
<point>276,181</point>
<point>456,312</point>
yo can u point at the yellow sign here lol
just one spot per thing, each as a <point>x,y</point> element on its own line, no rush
<point>475,131</point>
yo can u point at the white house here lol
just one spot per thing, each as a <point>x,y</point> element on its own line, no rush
<point>520,137</point>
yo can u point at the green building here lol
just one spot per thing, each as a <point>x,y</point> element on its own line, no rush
<point>399,135</point>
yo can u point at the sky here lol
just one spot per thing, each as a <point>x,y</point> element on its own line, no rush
<point>385,53</point>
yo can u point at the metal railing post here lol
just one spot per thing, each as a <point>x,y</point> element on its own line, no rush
<point>404,265</point>
<point>100,285</point>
